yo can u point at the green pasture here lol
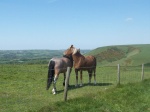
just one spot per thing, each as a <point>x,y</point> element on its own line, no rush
<point>23,89</point>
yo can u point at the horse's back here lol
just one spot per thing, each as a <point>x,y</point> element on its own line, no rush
<point>86,63</point>
<point>90,61</point>
<point>61,64</point>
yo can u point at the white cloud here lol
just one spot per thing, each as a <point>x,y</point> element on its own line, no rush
<point>129,19</point>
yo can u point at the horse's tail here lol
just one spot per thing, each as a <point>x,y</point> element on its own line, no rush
<point>50,73</point>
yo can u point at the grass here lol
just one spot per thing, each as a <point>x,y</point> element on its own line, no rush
<point>123,98</point>
<point>23,88</point>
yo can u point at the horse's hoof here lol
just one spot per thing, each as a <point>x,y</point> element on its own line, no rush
<point>54,91</point>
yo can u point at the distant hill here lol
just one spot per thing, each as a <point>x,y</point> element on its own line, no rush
<point>30,56</point>
<point>27,56</point>
<point>127,55</point>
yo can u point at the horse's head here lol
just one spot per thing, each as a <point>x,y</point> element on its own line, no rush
<point>71,50</point>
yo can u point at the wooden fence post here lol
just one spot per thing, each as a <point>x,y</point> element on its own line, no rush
<point>66,83</point>
<point>118,74</point>
<point>142,74</point>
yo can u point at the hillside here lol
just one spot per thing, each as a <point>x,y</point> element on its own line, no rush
<point>127,55</point>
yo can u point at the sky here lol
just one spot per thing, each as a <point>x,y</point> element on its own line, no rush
<point>86,24</point>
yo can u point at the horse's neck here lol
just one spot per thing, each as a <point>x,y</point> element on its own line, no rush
<point>68,57</point>
<point>78,57</point>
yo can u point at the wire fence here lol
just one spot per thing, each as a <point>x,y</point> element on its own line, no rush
<point>23,87</point>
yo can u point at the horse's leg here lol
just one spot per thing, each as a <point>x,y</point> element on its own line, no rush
<point>90,76</point>
<point>54,84</point>
<point>80,77</point>
<point>64,79</point>
<point>76,72</point>
<point>94,77</point>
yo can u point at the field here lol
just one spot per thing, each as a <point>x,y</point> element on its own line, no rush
<point>23,88</point>
<point>24,74</point>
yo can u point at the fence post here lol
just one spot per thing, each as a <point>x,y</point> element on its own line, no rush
<point>142,74</point>
<point>118,74</point>
<point>66,83</point>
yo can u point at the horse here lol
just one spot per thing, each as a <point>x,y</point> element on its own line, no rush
<point>82,63</point>
<point>57,66</point>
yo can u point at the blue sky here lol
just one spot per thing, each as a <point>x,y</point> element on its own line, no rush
<point>87,24</point>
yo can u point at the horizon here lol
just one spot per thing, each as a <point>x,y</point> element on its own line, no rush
<point>87,24</point>
<point>68,47</point>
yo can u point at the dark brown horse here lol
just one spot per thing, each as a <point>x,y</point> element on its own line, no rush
<point>57,66</point>
<point>82,63</point>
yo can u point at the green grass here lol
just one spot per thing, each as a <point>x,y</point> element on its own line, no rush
<point>123,98</point>
<point>23,88</point>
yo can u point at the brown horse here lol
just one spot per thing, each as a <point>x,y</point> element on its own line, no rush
<point>57,66</point>
<point>82,63</point>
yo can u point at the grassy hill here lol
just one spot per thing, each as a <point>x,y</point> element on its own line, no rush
<point>127,55</point>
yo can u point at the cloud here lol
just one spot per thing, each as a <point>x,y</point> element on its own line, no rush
<point>129,19</point>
